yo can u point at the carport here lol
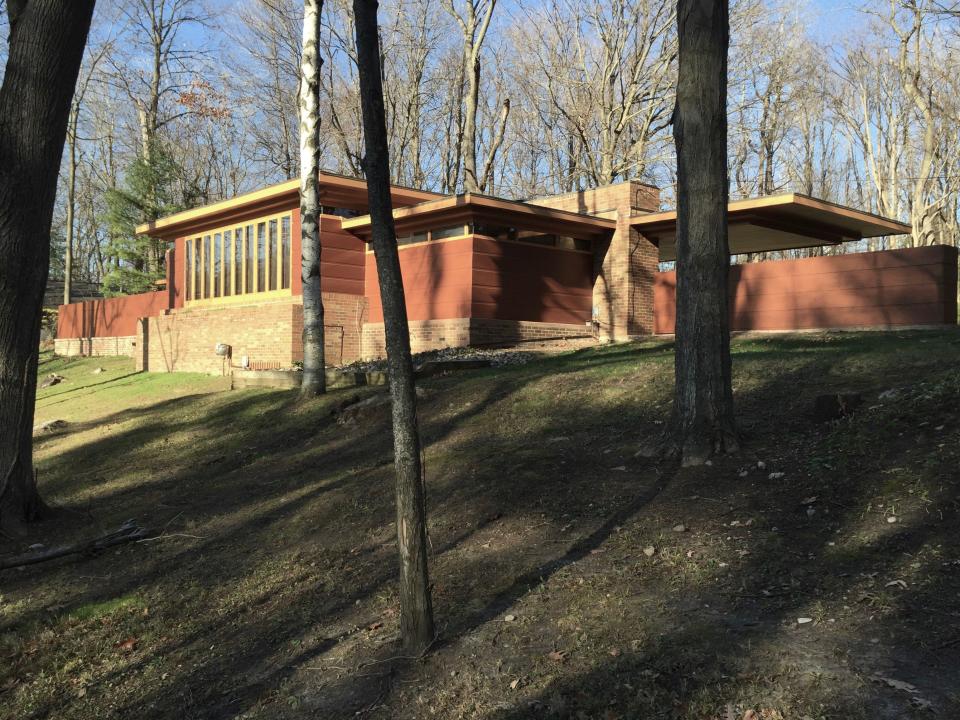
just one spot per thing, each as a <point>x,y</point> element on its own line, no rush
<point>776,222</point>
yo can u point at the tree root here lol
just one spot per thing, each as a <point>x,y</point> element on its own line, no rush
<point>692,450</point>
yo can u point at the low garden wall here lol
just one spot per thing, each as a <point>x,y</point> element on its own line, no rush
<point>105,326</point>
<point>892,288</point>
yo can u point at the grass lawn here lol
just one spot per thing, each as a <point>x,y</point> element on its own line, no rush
<point>564,586</point>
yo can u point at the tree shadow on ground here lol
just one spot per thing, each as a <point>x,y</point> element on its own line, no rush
<point>532,487</point>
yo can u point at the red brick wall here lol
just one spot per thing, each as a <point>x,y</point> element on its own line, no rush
<point>96,346</point>
<point>110,317</point>
<point>184,340</point>
<point>343,319</point>
<point>424,335</point>
<point>916,286</point>
<point>269,333</point>
<point>462,332</point>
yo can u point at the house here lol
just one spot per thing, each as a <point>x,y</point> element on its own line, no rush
<point>480,270</point>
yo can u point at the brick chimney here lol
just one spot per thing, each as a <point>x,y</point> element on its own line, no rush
<point>624,267</point>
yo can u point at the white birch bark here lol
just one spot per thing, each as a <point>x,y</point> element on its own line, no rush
<point>314,374</point>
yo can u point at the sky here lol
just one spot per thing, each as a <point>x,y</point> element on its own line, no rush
<point>833,18</point>
<point>830,20</point>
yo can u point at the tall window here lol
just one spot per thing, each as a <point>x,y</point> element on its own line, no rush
<point>261,257</point>
<point>234,261</point>
<point>227,262</point>
<point>272,265</point>
<point>285,252</point>
<point>217,268</point>
<point>188,267</point>
<point>238,261</point>
<point>251,260</point>
<point>206,266</point>
<point>197,287</point>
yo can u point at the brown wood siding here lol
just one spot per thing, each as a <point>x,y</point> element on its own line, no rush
<point>177,273</point>
<point>515,281</point>
<point>437,280</point>
<point>915,286</point>
<point>112,317</point>
<point>341,258</point>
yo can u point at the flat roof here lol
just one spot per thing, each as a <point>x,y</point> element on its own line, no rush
<point>777,222</point>
<point>461,208</point>
<point>336,190</point>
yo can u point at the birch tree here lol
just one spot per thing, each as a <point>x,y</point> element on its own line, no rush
<point>314,369</point>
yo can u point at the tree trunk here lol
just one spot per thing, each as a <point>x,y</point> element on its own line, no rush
<point>71,205</point>
<point>703,418</point>
<point>416,610</point>
<point>314,364</point>
<point>45,49</point>
<point>469,151</point>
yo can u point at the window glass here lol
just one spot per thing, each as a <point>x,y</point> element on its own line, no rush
<point>206,266</point>
<point>572,243</point>
<point>251,259</point>
<point>342,212</point>
<point>497,232</point>
<point>537,239</point>
<point>447,232</point>
<point>188,245</point>
<point>261,257</point>
<point>273,265</point>
<point>197,288</point>
<point>285,253</point>
<point>238,261</point>
<point>412,238</point>
<point>227,262</point>
<point>216,265</point>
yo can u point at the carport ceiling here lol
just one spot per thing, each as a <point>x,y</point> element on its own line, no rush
<point>777,222</point>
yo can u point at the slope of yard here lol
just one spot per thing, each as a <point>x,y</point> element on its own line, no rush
<point>572,579</point>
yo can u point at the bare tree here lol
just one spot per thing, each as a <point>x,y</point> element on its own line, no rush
<point>73,123</point>
<point>703,421</point>
<point>473,17</point>
<point>314,367</point>
<point>923,209</point>
<point>47,38</point>
<point>270,31</point>
<point>606,71</point>
<point>416,608</point>
<point>155,85</point>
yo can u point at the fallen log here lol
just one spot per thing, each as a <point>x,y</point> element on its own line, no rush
<point>128,532</point>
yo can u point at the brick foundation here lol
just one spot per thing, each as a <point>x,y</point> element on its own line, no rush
<point>96,346</point>
<point>624,268</point>
<point>343,319</point>
<point>428,335</point>
<point>268,333</point>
